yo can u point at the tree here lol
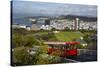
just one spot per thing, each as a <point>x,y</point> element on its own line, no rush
<point>21,31</point>
<point>23,43</point>
<point>20,56</point>
<point>30,41</point>
<point>24,40</point>
<point>17,40</point>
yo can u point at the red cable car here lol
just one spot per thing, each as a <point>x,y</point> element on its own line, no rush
<point>64,48</point>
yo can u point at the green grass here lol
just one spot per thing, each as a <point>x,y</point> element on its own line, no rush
<point>68,36</point>
<point>41,33</point>
<point>64,35</point>
<point>88,33</point>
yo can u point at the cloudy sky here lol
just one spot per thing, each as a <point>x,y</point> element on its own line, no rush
<point>42,8</point>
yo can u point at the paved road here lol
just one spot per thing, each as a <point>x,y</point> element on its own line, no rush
<point>85,57</point>
<point>80,58</point>
<point>67,60</point>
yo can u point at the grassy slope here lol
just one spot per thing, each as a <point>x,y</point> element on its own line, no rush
<point>68,36</point>
<point>64,36</point>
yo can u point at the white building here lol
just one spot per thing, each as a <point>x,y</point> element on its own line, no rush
<point>18,26</point>
<point>28,28</point>
<point>22,26</point>
<point>46,27</point>
<point>88,25</point>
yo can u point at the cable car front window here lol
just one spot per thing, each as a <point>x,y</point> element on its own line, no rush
<point>72,47</point>
<point>50,46</point>
<point>67,46</point>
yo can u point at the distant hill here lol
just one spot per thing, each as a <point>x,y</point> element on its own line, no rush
<point>84,18</point>
<point>69,17</point>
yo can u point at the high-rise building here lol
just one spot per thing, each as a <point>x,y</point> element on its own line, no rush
<point>47,22</point>
<point>76,24</point>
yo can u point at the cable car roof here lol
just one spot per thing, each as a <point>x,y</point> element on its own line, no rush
<point>72,43</point>
<point>62,43</point>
